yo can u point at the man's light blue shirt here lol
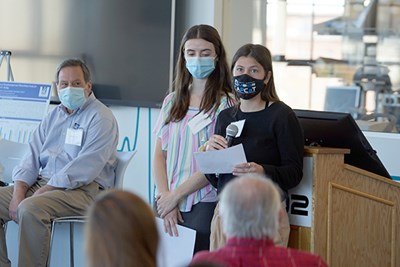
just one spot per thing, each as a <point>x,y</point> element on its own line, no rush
<point>67,165</point>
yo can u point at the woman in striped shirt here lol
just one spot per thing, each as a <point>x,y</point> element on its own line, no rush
<point>201,89</point>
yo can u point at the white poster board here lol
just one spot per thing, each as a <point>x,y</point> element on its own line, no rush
<point>22,108</point>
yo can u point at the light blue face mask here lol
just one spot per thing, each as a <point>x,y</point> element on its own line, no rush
<point>72,97</point>
<point>200,67</point>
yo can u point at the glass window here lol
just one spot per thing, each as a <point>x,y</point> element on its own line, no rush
<point>290,33</point>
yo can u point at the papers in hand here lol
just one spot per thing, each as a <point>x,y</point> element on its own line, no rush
<point>169,246</point>
<point>220,161</point>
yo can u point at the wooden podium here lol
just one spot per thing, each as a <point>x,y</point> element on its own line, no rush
<point>355,216</point>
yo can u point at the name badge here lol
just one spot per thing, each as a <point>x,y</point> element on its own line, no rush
<point>240,125</point>
<point>199,122</point>
<point>74,137</point>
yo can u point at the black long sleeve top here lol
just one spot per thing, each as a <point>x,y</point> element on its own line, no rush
<point>272,138</point>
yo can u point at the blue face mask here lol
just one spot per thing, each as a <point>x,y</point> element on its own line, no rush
<point>72,97</point>
<point>200,67</point>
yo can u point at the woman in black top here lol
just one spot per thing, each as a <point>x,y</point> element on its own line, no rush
<point>271,136</point>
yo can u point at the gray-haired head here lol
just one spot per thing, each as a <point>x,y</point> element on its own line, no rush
<point>249,207</point>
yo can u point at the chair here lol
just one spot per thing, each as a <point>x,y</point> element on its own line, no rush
<point>71,228</point>
<point>66,228</point>
<point>15,152</point>
<point>11,158</point>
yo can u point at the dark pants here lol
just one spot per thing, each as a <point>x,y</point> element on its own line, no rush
<point>199,219</point>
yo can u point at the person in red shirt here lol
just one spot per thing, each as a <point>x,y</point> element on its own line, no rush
<point>250,208</point>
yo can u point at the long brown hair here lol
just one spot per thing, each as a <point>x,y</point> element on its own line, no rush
<point>263,56</point>
<point>218,83</point>
<point>121,231</point>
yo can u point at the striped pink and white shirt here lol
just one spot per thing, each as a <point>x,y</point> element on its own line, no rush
<point>180,144</point>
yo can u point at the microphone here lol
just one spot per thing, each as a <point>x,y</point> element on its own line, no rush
<point>231,131</point>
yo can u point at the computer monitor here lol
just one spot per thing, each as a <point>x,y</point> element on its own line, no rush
<point>342,99</point>
<point>335,129</point>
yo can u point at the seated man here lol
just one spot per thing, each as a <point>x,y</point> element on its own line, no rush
<point>249,209</point>
<point>71,158</point>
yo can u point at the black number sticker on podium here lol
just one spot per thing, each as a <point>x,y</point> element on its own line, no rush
<point>299,204</point>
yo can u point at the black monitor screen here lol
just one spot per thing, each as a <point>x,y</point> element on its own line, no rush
<point>334,129</point>
<point>127,44</point>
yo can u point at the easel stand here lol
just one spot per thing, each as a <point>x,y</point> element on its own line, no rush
<point>7,55</point>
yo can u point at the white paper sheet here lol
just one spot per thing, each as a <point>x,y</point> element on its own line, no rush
<point>175,250</point>
<point>220,161</point>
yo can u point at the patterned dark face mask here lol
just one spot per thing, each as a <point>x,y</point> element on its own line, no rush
<point>246,86</point>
